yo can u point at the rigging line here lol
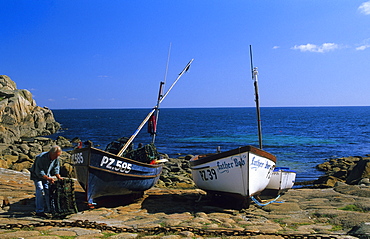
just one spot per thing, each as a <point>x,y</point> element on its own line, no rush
<point>168,60</point>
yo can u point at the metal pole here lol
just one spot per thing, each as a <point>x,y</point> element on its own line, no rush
<point>255,78</point>
<point>160,95</point>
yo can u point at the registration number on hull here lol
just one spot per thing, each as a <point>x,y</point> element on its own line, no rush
<point>208,174</point>
<point>115,164</point>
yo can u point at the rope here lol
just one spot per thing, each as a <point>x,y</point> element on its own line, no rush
<point>265,204</point>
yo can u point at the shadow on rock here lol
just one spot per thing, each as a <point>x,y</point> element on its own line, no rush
<point>117,201</point>
<point>23,208</point>
<point>186,202</point>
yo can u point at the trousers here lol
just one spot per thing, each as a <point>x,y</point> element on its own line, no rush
<point>42,196</point>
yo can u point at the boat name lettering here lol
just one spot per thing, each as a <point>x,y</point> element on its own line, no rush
<point>256,163</point>
<point>77,158</point>
<point>239,163</point>
<point>269,166</point>
<point>115,164</point>
<point>224,166</point>
<point>209,174</point>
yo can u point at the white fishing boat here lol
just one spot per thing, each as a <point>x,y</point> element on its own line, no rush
<point>282,179</point>
<point>240,173</point>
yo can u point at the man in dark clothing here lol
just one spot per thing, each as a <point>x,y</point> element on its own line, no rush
<point>46,165</point>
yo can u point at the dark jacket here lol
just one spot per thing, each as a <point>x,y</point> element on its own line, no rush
<point>44,166</point>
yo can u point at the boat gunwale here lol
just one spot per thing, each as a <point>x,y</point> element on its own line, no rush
<point>124,174</point>
<point>114,155</point>
<point>284,170</point>
<point>202,159</point>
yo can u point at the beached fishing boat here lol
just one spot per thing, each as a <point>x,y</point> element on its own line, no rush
<point>239,173</point>
<point>282,179</point>
<point>120,169</point>
<point>101,173</point>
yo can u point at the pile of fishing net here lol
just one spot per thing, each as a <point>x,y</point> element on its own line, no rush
<point>144,153</point>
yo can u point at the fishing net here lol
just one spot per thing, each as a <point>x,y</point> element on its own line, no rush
<point>115,146</point>
<point>145,154</point>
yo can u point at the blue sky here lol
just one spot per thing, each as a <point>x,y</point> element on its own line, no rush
<point>75,54</point>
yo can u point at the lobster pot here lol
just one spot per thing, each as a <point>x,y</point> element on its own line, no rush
<point>62,198</point>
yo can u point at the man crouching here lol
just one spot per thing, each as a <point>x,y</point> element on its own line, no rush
<point>46,165</point>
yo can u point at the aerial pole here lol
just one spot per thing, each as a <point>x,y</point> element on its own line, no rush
<point>155,116</point>
<point>255,79</point>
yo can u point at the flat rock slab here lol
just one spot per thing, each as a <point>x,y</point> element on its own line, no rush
<point>299,211</point>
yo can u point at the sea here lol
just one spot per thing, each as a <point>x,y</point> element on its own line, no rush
<point>300,137</point>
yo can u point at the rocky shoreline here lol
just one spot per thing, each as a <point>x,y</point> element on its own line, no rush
<point>175,208</point>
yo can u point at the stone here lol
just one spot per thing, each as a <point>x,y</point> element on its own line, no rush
<point>19,234</point>
<point>19,114</point>
<point>361,231</point>
<point>326,181</point>
<point>348,169</point>
<point>364,181</point>
<point>361,170</point>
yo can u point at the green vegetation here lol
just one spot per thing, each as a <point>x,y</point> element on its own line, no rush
<point>295,226</point>
<point>30,228</point>
<point>351,207</point>
<point>279,220</point>
<point>336,228</point>
<point>108,234</point>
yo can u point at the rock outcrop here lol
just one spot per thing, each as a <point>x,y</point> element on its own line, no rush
<point>20,117</point>
<point>176,173</point>
<point>22,123</point>
<point>350,170</point>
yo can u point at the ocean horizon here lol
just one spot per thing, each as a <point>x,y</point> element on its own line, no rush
<point>212,107</point>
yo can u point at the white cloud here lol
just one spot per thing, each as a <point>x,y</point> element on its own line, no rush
<point>276,47</point>
<point>365,8</point>
<point>314,48</point>
<point>72,98</point>
<point>363,47</point>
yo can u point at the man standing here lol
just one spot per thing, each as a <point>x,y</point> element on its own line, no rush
<point>46,165</point>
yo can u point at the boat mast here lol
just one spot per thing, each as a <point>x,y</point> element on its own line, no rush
<point>255,79</point>
<point>160,95</point>
<point>129,141</point>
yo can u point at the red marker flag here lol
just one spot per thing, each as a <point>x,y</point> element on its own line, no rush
<point>152,125</point>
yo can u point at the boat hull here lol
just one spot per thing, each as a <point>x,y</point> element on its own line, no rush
<point>282,179</point>
<point>104,174</point>
<point>244,171</point>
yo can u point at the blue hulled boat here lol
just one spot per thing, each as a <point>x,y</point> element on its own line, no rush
<point>120,169</point>
<point>101,173</point>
